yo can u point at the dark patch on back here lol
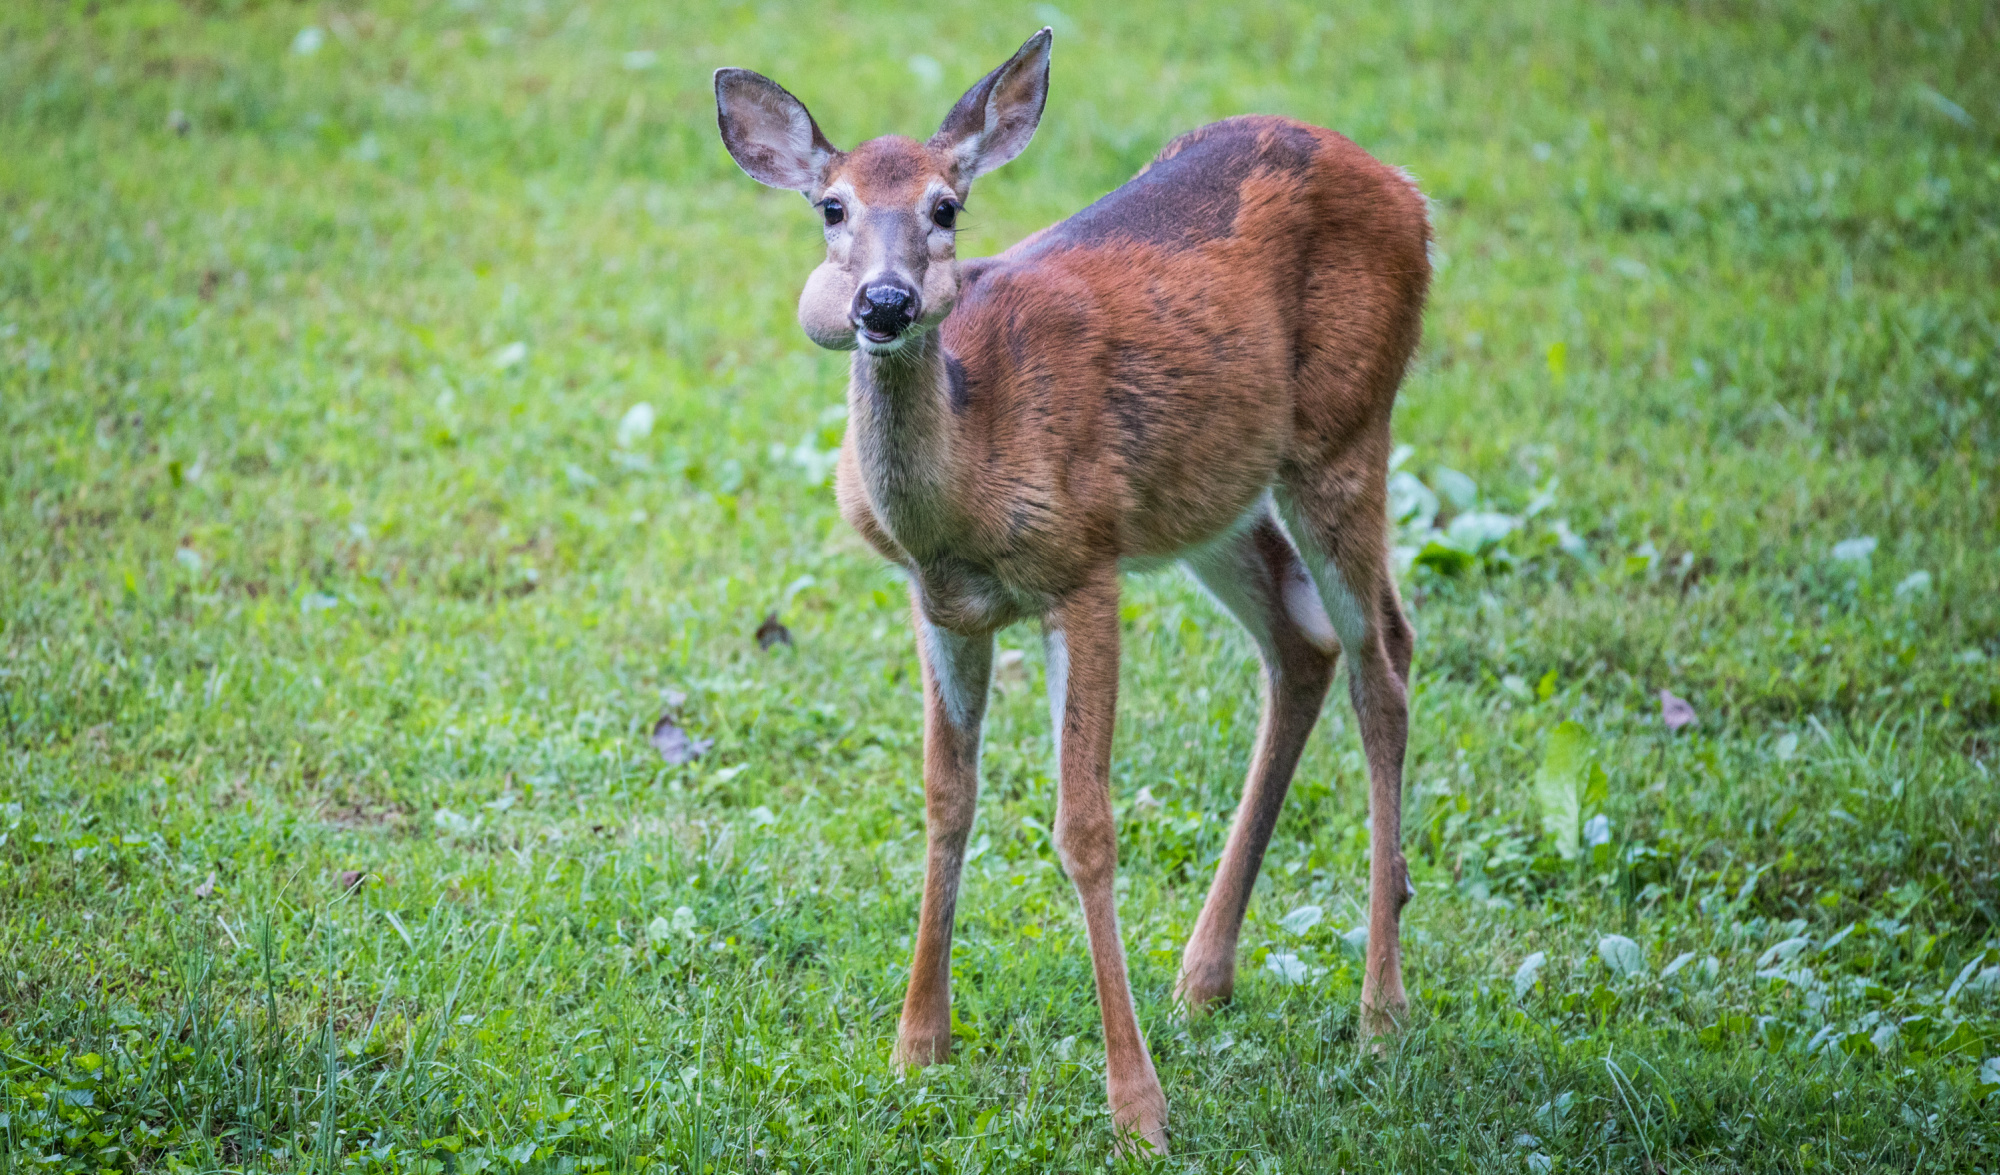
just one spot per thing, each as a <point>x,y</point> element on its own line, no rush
<point>1190,192</point>
<point>1136,402</point>
<point>973,269</point>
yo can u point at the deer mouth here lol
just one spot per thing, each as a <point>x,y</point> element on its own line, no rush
<point>880,342</point>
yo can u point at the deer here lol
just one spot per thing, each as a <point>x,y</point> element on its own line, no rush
<point>1198,367</point>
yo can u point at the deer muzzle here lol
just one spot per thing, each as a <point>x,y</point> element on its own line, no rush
<point>885,308</point>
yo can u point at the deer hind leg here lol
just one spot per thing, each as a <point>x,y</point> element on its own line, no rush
<point>1258,576</point>
<point>957,671</point>
<point>1338,517</point>
<point>1082,641</point>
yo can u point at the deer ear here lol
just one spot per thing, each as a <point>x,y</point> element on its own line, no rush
<point>769,133</point>
<point>996,118</point>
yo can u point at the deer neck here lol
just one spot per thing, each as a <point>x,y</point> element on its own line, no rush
<point>899,407</point>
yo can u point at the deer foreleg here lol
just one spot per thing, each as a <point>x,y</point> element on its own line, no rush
<point>957,671</point>
<point>1082,641</point>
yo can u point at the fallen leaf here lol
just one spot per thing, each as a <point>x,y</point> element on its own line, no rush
<point>511,355</point>
<point>675,745</point>
<point>1622,955</point>
<point>1411,501</point>
<point>1454,487</point>
<point>350,878</point>
<point>1288,967</point>
<point>1675,712</point>
<point>771,632</point>
<point>206,888</point>
<point>1301,920</point>
<point>1480,530</point>
<point>1527,973</point>
<point>1681,960</point>
<point>1784,952</point>
<point>636,425</point>
<point>1560,783</point>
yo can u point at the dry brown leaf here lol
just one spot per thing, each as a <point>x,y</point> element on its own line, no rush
<point>771,632</point>
<point>675,745</point>
<point>1675,712</point>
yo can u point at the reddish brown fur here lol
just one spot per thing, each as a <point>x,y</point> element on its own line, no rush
<point>1129,385</point>
<point>1128,400</point>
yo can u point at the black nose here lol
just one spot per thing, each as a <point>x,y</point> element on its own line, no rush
<point>885,309</point>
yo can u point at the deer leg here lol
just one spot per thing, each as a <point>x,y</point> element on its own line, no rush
<point>1258,576</point>
<point>1081,635</point>
<point>957,670</point>
<point>1343,535</point>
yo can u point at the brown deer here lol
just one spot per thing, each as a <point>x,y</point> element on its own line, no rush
<point>1199,366</point>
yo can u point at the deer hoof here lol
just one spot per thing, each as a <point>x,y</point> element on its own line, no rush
<point>1199,994</point>
<point>916,1050</point>
<point>1141,1124</point>
<point>1381,1024</point>
<point>1205,983</point>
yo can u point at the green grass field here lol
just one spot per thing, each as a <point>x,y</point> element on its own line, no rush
<point>333,544</point>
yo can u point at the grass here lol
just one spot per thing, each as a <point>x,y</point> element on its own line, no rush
<point>322,556</point>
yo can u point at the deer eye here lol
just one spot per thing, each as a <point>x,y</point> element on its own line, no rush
<point>945,215</point>
<point>833,212</point>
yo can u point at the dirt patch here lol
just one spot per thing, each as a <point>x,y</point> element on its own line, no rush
<point>366,816</point>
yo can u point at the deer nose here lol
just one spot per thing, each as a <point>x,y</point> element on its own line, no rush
<point>885,309</point>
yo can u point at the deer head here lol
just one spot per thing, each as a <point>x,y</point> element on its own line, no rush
<point>890,206</point>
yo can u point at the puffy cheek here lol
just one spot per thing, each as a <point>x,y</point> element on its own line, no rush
<point>940,289</point>
<point>823,307</point>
